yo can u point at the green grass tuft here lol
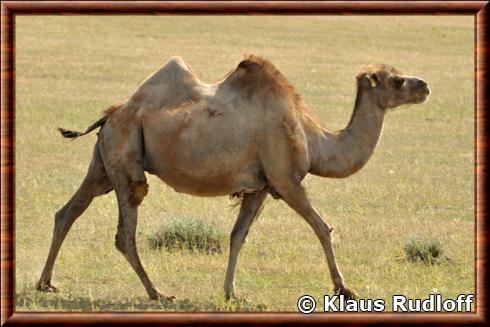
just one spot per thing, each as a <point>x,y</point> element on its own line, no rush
<point>426,250</point>
<point>188,233</point>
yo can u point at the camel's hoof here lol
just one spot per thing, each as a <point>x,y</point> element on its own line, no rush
<point>346,292</point>
<point>46,287</point>
<point>236,298</point>
<point>160,297</point>
<point>171,298</point>
<point>229,297</point>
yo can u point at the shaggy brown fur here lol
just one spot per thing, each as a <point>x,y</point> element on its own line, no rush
<point>280,79</point>
<point>379,68</point>
<point>138,191</point>
<point>109,111</point>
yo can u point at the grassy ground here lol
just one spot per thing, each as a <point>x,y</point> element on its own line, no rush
<point>419,182</point>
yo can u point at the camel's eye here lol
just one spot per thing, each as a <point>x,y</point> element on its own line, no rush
<point>399,82</point>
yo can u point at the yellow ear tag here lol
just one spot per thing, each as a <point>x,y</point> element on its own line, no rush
<point>373,81</point>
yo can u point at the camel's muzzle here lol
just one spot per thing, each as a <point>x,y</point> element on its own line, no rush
<point>421,90</point>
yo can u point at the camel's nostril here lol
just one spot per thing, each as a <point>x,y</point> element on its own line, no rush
<point>421,83</point>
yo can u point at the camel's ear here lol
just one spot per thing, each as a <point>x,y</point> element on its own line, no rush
<point>373,79</point>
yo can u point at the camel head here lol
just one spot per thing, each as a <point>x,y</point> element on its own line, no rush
<point>390,88</point>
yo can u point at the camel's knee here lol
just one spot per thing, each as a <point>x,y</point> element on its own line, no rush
<point>124,242</point>
<point>325,230</point>
<point>138,191</point>
<point>58,216</point>
<point>238,236</point>
<point>58,221</point>
<point>120,243</point>
<point>234,233</point>
<point>61,218</point>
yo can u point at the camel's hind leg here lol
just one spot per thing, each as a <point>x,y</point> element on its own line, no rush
<point>131,187</point>
<point>95,183</point>
<point>122,152</point>
<point>126,236</point>
<point>249,210</point>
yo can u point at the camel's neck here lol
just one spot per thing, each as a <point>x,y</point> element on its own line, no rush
<point>340,154</point>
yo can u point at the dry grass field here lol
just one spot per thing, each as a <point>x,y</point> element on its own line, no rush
<point>419,183</point>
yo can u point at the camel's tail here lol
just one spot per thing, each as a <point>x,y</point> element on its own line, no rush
<point>74,134</point>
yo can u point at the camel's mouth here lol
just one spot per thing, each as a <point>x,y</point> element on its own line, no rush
<point>421,99</point>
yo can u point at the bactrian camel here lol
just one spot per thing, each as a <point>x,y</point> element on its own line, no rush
<point>249,135</point>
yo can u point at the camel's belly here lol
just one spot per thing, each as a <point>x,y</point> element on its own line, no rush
<point>227,183</point>
<point>199,169</point>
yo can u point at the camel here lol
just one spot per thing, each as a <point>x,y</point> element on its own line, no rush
<point>248,136</point>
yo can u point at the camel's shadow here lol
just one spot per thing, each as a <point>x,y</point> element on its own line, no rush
<point>29,301</point>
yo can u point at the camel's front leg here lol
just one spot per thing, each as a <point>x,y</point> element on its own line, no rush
<point>249,210</point>
<point>126,238</point>
<point>295,197</point>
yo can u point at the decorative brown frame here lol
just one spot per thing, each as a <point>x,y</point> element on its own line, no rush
<point>9,9</point>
